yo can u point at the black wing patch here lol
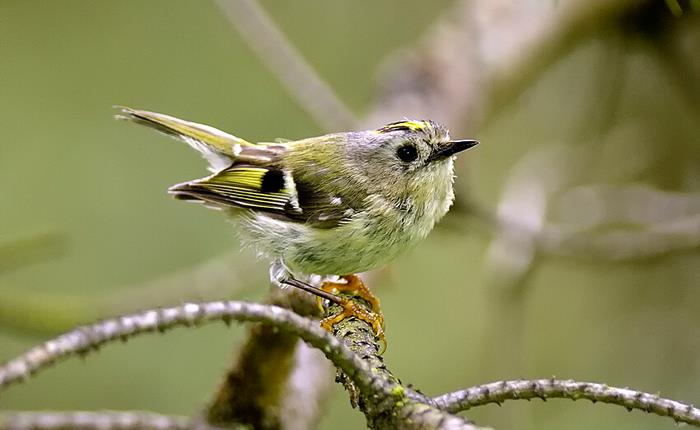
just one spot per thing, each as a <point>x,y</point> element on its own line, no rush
<point>321,209</point>
<point>253,187</point>
<point>270,190</point>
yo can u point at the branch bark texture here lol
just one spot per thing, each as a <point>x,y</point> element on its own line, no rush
<point>386,403</point>
<point>83,340</point>
<point>545,389</point>
<point>100,420</point>
<point>404,408</point>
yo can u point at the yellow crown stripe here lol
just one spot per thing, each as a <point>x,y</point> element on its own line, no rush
<point>404,125</point>
<point>414,125</point>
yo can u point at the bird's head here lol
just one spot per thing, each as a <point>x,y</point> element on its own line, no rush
<point>413,158</point>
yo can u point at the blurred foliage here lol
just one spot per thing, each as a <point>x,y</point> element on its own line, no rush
<point>622,108</point>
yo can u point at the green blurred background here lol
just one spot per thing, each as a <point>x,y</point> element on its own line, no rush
<point>472,304</point>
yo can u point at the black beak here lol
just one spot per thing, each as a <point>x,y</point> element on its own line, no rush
<point>451,148</point>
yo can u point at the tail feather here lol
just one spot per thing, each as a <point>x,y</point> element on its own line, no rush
<point>219,148</point>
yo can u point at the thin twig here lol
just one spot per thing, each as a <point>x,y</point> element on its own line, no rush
<point>287,64</point>
<point>545,389</point>
<point>92,420</point>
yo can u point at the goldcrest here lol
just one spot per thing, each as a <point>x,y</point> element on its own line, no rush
<point>336,204</point>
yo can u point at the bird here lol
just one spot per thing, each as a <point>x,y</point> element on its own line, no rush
<point>330,205</point>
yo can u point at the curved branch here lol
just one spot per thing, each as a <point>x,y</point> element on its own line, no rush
<point>100,420</point>
<point>84,339</point>
<point>391,401</point>
<point>544,389</point>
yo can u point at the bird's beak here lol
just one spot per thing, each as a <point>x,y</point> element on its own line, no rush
<point>451,148</point>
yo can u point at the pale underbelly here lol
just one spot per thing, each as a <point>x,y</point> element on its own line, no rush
<point>357,246</point>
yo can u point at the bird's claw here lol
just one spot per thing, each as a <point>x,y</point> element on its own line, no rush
<point>350,308</point>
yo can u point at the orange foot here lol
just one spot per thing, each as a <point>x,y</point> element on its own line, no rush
<point>355,286</point>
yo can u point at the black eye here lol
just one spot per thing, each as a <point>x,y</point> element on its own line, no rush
<point>407,153</point>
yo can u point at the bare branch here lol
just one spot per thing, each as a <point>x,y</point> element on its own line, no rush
<point>87,338</point>
<point>545,389</point>
<point>100,420</point>
<point>287,64</point>
<point>391,402</point>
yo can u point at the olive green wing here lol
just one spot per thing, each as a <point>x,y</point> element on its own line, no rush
<point>219,148</point>
<point>245,174</point>
<point>266,189</point>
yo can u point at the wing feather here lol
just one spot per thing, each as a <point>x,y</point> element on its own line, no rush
<point>263,188</point>
<point>245,174</point>
<point>266,189</point>
<point>320,208</point>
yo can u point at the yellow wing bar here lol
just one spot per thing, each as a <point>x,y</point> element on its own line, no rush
<point>252,187</point>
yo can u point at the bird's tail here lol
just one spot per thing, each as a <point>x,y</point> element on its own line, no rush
<point>219,148</point>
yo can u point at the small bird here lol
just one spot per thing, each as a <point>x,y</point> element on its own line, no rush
<point>336,204</point>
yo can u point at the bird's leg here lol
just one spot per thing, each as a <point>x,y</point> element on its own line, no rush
<point>354,286</point>
<point>281,277</point>
<point>279,274</point>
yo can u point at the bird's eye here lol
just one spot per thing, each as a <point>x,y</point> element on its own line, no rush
<point>407,153</point>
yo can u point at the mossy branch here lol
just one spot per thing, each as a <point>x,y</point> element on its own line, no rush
<point>405,408</point>
<point>545,389</point>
